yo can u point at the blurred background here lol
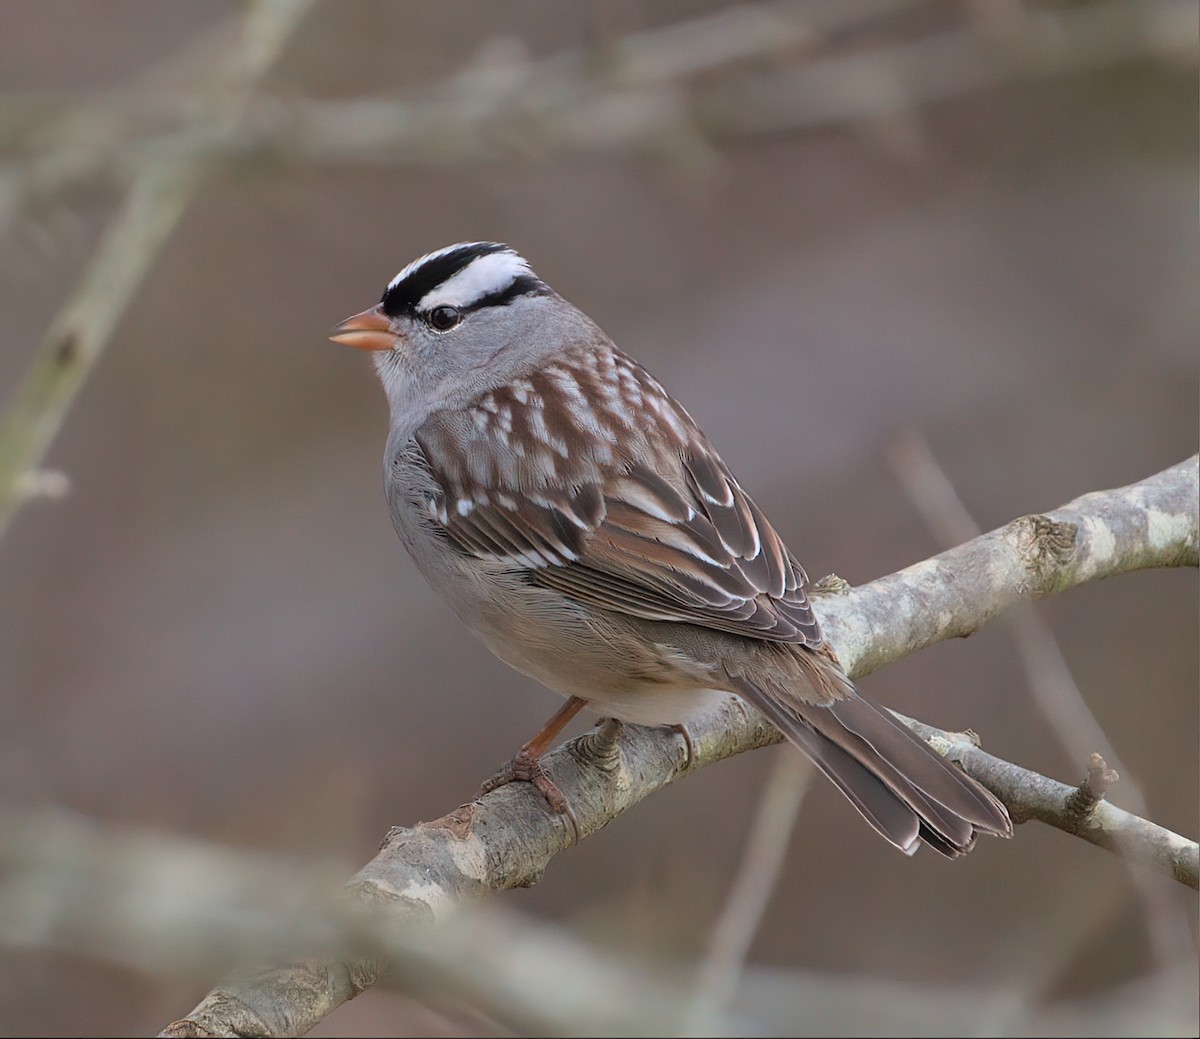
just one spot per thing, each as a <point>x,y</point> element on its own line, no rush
<point>825,227</point>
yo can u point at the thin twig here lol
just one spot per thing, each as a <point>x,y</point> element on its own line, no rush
<point>757,877</point>
<point>1029,795</point>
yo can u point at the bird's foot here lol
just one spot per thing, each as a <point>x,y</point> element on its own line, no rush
<point>526,768</point>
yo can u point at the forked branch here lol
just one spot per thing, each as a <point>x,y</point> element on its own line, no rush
<point>508,838</point>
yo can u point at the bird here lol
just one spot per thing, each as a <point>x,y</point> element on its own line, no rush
<point>579,522</point>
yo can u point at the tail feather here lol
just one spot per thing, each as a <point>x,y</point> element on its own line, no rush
<point>962,797</point>
<point>902,787</point>
<point>888,814</point>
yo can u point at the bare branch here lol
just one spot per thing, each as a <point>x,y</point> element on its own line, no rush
<point>509,837</point>
<point>1148,524</point>
<point>1051,683</point>
<point>1050,680</point>
<point>1077,810</point>
<point>676,107</point>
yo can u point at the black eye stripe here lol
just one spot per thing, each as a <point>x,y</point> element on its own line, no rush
<point>525,285</point>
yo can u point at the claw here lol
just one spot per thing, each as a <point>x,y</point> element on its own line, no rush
<point>689,747</point>
<point>525,768</point>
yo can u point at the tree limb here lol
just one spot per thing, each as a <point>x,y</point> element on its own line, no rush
<point>508,838</point>
<point>1053,688</point>
<point>1145,525</point>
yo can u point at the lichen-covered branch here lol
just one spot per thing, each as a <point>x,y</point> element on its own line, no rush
<point>1147,524</point>
<point>1056,695</point>
<point>508,838</point>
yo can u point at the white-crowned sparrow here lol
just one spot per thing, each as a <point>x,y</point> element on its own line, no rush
<point>580,523</point>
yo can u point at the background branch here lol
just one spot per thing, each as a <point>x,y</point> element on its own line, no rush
<point>671,91</point>
<point>114,893</point>
<point>160,192</point>
<point>758,874</point>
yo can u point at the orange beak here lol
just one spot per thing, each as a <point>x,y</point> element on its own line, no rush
<point>369,330</point>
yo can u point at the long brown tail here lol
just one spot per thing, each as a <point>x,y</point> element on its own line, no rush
<point>902,787</point>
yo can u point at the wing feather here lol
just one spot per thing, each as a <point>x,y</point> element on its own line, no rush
<point>637,515</point>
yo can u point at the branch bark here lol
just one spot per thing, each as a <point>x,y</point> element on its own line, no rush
<point>1078,810</point>
<point>508,838</point>
<point>1053,688</point>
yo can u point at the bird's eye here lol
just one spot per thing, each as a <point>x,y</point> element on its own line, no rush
<point>442,319</point>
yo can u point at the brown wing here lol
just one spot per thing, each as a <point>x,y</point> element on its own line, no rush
<point>590,477</point>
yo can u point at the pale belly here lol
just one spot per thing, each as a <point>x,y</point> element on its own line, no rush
<point>574,651</point>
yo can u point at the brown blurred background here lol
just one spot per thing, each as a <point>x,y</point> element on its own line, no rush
<point>217,633</point>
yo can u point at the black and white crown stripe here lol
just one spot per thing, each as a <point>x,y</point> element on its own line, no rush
<point>466,276</point>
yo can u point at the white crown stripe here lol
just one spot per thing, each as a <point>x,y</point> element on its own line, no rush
<point>483,276</point>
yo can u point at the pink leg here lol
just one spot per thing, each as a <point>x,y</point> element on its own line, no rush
<point>526,767</point>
